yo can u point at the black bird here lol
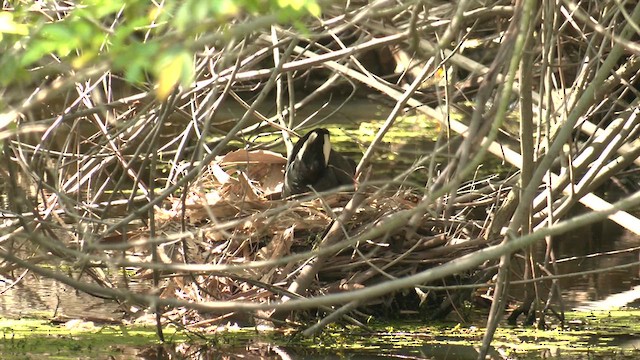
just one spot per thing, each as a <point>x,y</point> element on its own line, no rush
<point>313,163</point>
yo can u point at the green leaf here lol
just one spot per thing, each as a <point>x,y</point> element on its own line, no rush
<point>36,50</point>
<point>174,67</point>
<point>224,8</point>
<point>9,26</point>
<point>134,59</point>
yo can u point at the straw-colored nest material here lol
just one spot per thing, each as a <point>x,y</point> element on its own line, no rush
<point>257,230</point>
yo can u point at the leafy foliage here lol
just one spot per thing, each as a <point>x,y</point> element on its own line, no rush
<point>133,37</point>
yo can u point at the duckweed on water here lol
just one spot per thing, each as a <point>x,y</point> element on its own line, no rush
<point>596,335</point>
<point>37,338</point>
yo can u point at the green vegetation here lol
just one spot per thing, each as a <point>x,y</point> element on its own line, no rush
<point>594,334</point>
<point>132,37</point>
<point>33,338</point>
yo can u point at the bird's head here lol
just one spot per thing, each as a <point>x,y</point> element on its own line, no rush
<point>313,149</point>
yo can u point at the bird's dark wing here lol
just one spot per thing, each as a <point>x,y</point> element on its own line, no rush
<point>297,176</point>
<point>344,168</point>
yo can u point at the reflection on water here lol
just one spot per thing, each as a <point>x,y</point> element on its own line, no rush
<point>36,295</point>
<point>614,246</point>
<point>268,351</point>
<point>596,247</point>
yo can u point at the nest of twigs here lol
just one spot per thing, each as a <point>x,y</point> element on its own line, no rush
<point>235,221</point>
